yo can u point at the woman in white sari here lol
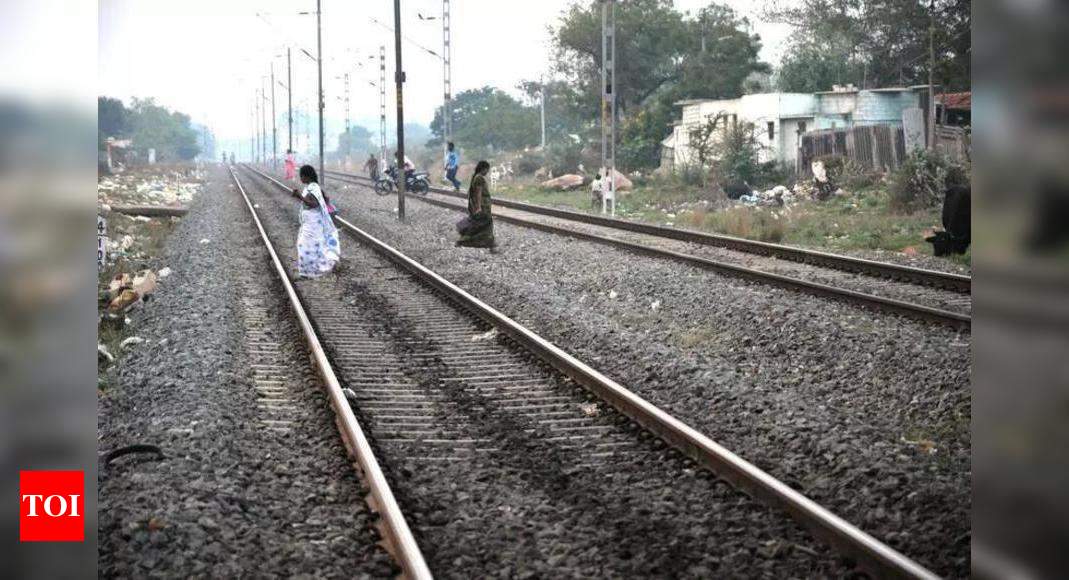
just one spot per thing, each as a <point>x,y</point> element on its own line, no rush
<point>318,250</point>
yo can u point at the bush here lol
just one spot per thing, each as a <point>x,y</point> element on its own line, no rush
<point>561,158</point>
<point>747,222</point>
<point>922,179</point>
<point>529,162</point>
<point>847,173</point>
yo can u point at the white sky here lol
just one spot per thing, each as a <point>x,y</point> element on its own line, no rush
<point>206,58</point>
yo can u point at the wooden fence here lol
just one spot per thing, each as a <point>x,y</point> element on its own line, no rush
<point>878,147</point>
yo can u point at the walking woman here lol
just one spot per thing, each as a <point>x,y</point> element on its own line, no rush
<point>477,230</point>
<point>318,250</point>
<point>291,167</point>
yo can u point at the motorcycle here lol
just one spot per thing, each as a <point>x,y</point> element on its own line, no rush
<point>416,182</point>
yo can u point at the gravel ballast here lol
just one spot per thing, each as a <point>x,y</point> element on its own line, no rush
<point>528,503</point>
<point>230,498</point>
<point>866,413</point>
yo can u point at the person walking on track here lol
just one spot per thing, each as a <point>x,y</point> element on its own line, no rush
<point>477,230</point>
<point>452,163</point>
<point>318,249</point>
<point>291,167</point>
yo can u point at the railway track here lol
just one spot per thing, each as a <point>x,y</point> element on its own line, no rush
<point>919,294</point>
<point>507,452</point>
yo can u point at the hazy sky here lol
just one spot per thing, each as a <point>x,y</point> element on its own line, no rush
<point>207,57</point>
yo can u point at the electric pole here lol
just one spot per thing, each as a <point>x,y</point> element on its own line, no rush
<point>399,78</point>
<point>252,140</point>
<point>274,116</point>
<point>542,102</point>
<point>382,103</point>
<point>931,75</point>
<point>319,59</point>
<point>263,118</point>
<point>348,144</point>
<point>289,97</point>
<point>608,103</point>
<point>255,127</point>
<point>447,78</point>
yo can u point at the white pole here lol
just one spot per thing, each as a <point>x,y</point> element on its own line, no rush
<point>447,78</point>
<point>608,104</point>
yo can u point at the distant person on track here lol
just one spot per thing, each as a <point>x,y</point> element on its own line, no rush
<point>291,166</point>
<point>596,191</point>
<point>372,167</point>
<point>452,163</point>
<point>477,230</point>
<point>318,249</point>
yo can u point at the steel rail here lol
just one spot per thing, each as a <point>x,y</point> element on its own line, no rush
<point>946,280</point>
<point>871,301</point>
<point>870,554</point>
<point>399,539</point>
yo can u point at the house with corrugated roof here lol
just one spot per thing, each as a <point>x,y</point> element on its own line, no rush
<point>780,119</point>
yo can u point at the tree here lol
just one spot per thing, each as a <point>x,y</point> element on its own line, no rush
<point>112,118</point>
<point>357,142</point>
<point>169,133</point>
<point>489,119</point>
<point>815,68</point>
<point>877,43</point>
<point>662,56</point>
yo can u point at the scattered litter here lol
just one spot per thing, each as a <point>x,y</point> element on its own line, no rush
<point>124,300</point>
<point>582,299</point>
<point>256,206</point>
<point>142,218</point>
<point>102,353</point>
<point>144,283</point>
<point>656,305</point>
<point>349,394</point>
<point>125,290</point>
<point>488,335</point>
<point>590,409</point>
<point>923,445</point>
<point>205,241</point>
<point>131,340</point>
<point>164,272</point>
<point>613,294</point>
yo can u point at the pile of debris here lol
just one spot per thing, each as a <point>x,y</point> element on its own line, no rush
<point>778,196</point>
<point>169,189</point>
<point>126,291</point>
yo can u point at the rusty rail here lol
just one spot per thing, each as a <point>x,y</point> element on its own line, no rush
<point>870,301</point>
<point>399,539</point>
<point>871,554</point>
<point>955,282</point>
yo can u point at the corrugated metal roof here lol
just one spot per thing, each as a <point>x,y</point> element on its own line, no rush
<point>957,100</point>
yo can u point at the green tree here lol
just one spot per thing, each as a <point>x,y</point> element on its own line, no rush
<point>357,142</point>
<point>662,56</point>
<point>489,119</point>
<point>876,43</point>
<point>169,133</point>
<point>112,118</point>
<point>815,68</point>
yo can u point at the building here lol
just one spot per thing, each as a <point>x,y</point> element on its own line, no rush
<point>780,119</point>
<point>954,109</point>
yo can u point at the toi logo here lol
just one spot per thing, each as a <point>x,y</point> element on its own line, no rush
<point>51,506</point>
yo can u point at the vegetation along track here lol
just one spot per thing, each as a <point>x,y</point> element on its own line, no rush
<point>508,453</point>
<point>920,294</point>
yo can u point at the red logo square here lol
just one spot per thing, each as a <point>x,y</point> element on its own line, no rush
<point>51,506</point>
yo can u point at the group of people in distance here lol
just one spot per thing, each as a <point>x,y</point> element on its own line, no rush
<point>318,246</point>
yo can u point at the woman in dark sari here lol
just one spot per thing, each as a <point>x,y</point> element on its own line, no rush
<point>477,230</point>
